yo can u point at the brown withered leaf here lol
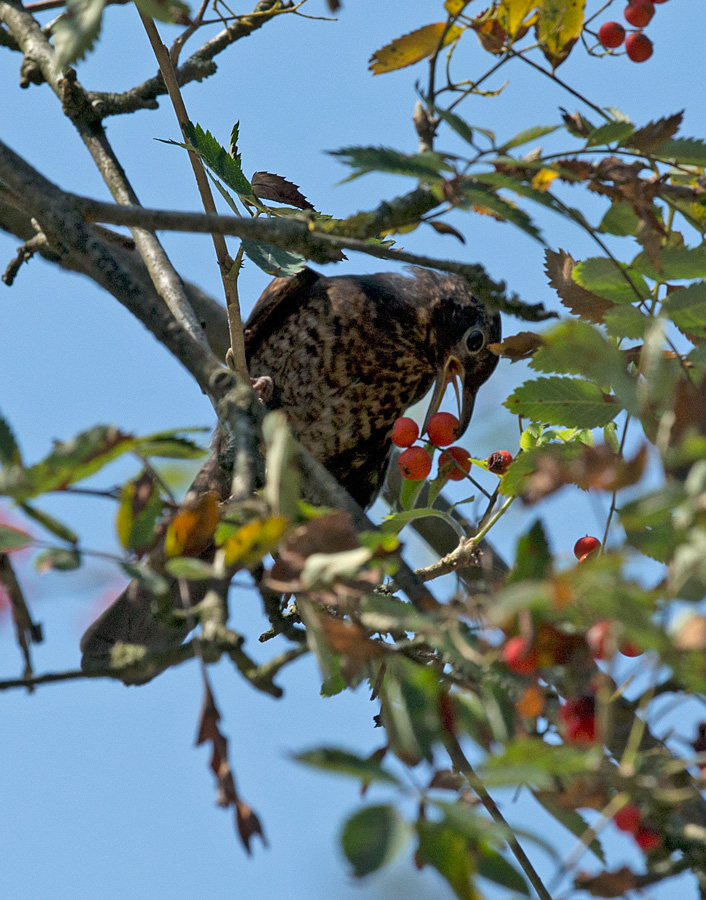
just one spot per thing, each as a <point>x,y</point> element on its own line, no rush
<point>575,123</point>
<point>594,468</point>
<point>491,34</point>
<point>580,301</point>
<point>191,531</point>
<point>446,780</point>
<point>349,639</point>
<point>689,408</point>
<point>607,884</point>
<point>518,346</point>
<point>583,793</point>
<point>445,228</point>
<point>267,186</point>
<point>654,134</point>
<point>246,820</point>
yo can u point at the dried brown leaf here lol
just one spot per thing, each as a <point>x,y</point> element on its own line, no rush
<point>445,228</point>
<point>580,301</point>
<point>607,884</point>
<point>518,346</point>
<point>267,186</point>
<point>689,408</point>
<point>191,531</point>
<point>349,639</point>
<point>654,134</point>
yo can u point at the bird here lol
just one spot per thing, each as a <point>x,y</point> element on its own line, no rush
<point>343,357</point>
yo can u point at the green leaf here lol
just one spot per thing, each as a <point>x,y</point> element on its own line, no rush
<point>626,322</point>
<point>190,568</point>
<point>676,264</point>
<point>530,760</point>
<point>59,559</point>
<point>563,401</point>
<point>576,348</point>
<point>50,523</point>
<point>529,134</point>
<point>372,838</point>
<point>684,150</point>
<point>409,493</point>
<point>218,159</point>
<point>620,219</point>
<point>483,199</point>
<point>170,11</point>
<point>397,521</point>
<point>12,538</point>
<point>146,577</point>
<point>75,33</point>
<point>333,759</point>
<point>459,125</point>
<point>514,481</point>
<point>139,508</point>
<point>272,259</point>
<point>444,848</point>
<point>612,131</point>
<point>69,462</point>
<point>501,180</point>
<point>424,166</point>
<point>496,868</point>
<point>610,436</point>
<point>533,558</point>
<point>170,445</point>
<point>9,449</point>
<point>410,703</point>
<point>618,283</point>
<point>687,308</point>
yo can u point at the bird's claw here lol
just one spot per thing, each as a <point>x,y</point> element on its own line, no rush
<point>264,387</point>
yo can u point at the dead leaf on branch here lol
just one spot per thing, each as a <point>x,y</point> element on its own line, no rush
<point>584,303</point>
<point>689,409</point>
<point>349,639</point>
<point>246,820</point>
<point>607,884</point>
<point>267,186</point>
<point>518,346</point>
<point>654,134</point>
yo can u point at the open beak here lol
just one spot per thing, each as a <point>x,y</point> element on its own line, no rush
<point>453,373</point>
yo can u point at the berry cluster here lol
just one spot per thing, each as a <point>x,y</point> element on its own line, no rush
<point>638,46</point>
<point>629,819</point>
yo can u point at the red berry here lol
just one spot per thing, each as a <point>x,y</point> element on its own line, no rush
<point>405,432</point>
<point>579,719</point>
<point>442,429</point>
<point>638,46</point>
<point>639,12</point>
<point>455,463</point>
<point>499,461</point>
<point>586,545</point>
<point>600,639</point>
<point>611,34</point>
<point>414,463</point>
<point>520,655</point>
<point>630,648</point>
<point>628,818</point>
<point>659,1</point>
<point>647,839</point>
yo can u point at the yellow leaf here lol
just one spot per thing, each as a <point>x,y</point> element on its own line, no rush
<point>543,179</point>
<point>512,15</point>
<point>559,26</point>
<point>191,531</point>
<point>413,47</point>
<point>455,7</point>
<point>253,541</point>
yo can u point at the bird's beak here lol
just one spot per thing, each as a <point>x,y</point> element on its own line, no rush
<point>453,373</point>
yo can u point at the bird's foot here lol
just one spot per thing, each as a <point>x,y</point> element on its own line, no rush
<point>264,387</point>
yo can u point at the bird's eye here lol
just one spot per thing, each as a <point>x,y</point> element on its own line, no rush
<point>475,341</point>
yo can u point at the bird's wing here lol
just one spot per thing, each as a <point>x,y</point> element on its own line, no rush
<point>278,301</point>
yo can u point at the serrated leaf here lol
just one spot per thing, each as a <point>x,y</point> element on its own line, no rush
<point>217,159</point>
<point>459,125</point>
<point>687,308</point>
<point>576,124</point>
<point>444,848</point>
<point>9,449</point>
<point>51,524</point>
<point>69,462</point>
<point>372,838</point>
<point>57,559</point>
<point>267,186</point>
<point>615,282</point>
<point>423,166</point>
<point>413,47</point>
<point>490,203</point>
<point>333,759</point>
<point>563,401</point>
<point>529,134</point>
<point>272,259</point>
<point>171,11</point>
<point>12,538</point>
<point>558,27</point>
<point>559,267</point>
<point>397,521</point>
<point>654,134</point>
<point>690,151</point>
<point>626,322</point>
<point>75,33</point>
<point>170,445</point>
<point>676,264</point>
<point>609,133</point>
<point>620,219</point>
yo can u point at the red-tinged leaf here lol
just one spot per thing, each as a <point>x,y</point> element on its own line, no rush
<point>12,538</point>
<point>412,48</point>
<point>580,301</point>
<point>191,531</point>
<point>654,134</point>
<point>518,346</point>
<point>349,639</point>
<point>445,228</point>
<point>267,186</point>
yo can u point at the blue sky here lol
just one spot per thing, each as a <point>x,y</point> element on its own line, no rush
<point>102,791</point>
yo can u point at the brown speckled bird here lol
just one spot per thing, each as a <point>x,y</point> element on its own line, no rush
<point>345,357</point>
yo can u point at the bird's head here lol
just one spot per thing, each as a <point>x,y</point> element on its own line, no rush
<point>460,330</point>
